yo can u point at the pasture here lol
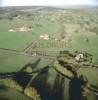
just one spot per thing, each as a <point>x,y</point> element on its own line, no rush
<point>66,29</point>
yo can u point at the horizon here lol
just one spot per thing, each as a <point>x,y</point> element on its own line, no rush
<point>5,3</point>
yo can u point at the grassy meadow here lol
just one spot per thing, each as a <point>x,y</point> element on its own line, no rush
<point>66,29</point>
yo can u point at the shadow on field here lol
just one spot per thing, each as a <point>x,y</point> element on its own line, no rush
<point>23,77</point>
<point>47,91</point>
<point>75,90</point>
<point>2,96</point>
<point>31,65</point>
<point>2,88</point>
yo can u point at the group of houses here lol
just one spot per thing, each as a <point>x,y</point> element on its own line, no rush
<point>21,29</point>
<point>44,37</point>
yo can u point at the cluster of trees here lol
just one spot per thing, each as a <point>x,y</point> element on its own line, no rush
<point>10,15</point>
<point>94,29</point>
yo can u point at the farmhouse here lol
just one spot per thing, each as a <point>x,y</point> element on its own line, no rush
<point>78,57</point>
<point>12,30</point>
<point>24,29</point>
<point>21,29</point>
<point>44,37</point>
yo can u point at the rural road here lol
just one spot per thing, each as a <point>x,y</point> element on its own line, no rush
<point>34,53</point>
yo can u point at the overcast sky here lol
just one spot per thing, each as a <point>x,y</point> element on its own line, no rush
<point>47,2</point>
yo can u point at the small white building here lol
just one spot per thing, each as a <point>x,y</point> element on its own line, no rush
<point>44,37</point>
<point>24,29</point>
<point>78,57</point>
<point>12,30</point>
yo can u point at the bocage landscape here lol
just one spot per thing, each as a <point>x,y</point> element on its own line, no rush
<point>49,53</point>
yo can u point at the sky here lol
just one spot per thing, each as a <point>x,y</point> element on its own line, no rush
<point>47,2</point>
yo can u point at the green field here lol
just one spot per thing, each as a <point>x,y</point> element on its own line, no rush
<point>79,44</point>
<point>12,62</point>
<point>67,29</point>
<point>14,40</point>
